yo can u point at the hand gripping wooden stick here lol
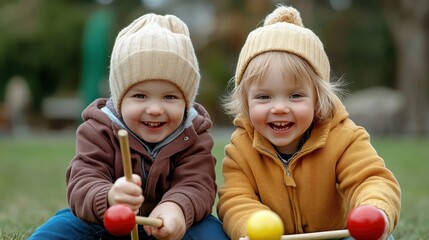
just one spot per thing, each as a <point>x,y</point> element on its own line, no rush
<point>128,172</point>
<point>318,235</point>
<point>154,222</point>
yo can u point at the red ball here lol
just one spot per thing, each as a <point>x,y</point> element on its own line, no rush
<point>366,223</point>
<point>119,220</point>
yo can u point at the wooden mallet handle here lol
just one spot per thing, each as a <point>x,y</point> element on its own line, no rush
<point>128,172</point>
<point>125,151</point>
<point>154,222</point>
<point>318,235</point>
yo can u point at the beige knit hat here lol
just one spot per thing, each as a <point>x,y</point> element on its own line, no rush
<point>283,31</point>
<point>154,47</point>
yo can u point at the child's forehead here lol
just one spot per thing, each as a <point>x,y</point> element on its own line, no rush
<point>289,77</point>
<point>289,66</point>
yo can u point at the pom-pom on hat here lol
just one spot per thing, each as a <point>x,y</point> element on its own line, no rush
<point>154,47</point>
<point>283,31</point>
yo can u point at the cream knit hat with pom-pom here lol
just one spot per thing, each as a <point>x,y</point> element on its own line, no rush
<point>283,31</point>
<point>154,47</point>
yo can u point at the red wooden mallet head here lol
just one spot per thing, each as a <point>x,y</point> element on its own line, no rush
<point>366,222</point>
<point>119,220</point>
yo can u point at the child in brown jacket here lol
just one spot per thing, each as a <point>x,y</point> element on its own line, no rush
<point>154,78</point>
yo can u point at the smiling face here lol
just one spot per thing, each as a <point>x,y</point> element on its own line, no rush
<point>153,109</point>
<point>281,107</point>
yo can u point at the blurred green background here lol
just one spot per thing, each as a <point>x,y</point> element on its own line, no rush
<point>54,57</point>
<point>60,49</point>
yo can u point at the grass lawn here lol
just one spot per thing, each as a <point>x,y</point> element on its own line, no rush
<point>32,180</point>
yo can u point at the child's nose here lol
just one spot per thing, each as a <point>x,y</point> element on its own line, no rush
<point>154,109</point>
<point>280,107</point>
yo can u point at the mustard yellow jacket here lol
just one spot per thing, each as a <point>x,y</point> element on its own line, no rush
<point>336,169</point>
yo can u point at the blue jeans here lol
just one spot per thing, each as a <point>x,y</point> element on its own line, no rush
<point>64,225</point>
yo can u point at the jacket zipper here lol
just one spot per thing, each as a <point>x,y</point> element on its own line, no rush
<point>286,162</point>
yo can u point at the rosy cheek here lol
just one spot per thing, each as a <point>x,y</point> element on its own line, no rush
<point>256,117</point>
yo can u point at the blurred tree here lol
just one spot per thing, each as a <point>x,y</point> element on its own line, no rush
<point>95,50</point>
<point>408,21</point>
<point>40,41</point>
<point>358,44</point>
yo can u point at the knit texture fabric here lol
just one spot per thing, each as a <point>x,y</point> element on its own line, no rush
<point>283,31</point>
<point>154,47</point>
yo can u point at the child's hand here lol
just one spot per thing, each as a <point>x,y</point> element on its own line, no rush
<point>385,235</point>
<point>174,224</point>
<point>129,193</point>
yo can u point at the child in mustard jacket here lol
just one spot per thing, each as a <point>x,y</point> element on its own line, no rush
<point>295,151</point>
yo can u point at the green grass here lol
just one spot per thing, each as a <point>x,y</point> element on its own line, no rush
<point>408,159</point>
<point>32,180</point>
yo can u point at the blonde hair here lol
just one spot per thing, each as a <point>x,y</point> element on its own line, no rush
<point>293,67</point>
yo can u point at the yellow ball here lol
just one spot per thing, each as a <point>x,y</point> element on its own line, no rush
<point>264,225</point>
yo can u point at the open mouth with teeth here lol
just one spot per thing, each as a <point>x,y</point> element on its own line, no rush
<point>153,124</point>
<point>280,126</point>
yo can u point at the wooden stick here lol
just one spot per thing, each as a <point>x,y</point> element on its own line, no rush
<point>128,172</point>
<point>154,222</point>
<point>318,235</point>
<point>125,151</point>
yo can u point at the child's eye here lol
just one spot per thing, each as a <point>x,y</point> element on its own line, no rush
<point>139,95</point>
<point>170,97</point>
<point>295,95</point>
<point>262,97</point>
